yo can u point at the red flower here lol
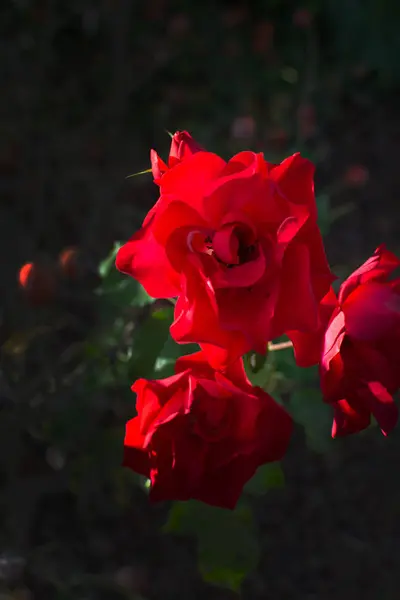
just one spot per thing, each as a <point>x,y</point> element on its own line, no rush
<point>202,434</point>
<point>182,146</point>
<point>307,346</point>
<point>360,366</point>
<point>238,243</point>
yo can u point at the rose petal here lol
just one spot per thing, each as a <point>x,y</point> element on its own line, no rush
<point>197,318</point>
<point>198,361</point>
<point>158,166</point>
<point>382,406</point>
<point>182,147</point>
<point>295,180</point>
<point>348,420</point>
<point>173,215</point>
<point>377,268</point>
<point>333,338</point>
<point>189,180</point>
<point>137,460</point>
<point>371,311</point>
<point>226,245</point>
<point>145,260</point>
<point>242,187</point>
<point>308,345</point>
<point>297,307</point>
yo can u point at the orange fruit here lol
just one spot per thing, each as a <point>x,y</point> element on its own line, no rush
<point>69,262</point>
<point>38,282</point>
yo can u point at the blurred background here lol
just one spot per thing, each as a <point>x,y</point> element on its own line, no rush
<point>88,88</point>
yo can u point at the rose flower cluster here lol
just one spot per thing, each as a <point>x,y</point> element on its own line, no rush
<point>238,245</point>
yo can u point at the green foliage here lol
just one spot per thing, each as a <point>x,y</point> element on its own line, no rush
<point>148,340</point>
<point>304,400</point>
<point>298,389</point>
<point>266,477</point>
<point>308,409</point>
<point>227,545</point>
<point>255,362</point>
<point>136,327</point>
<point>259,369</point>
<point>116,290</point>
<point>164,365</point>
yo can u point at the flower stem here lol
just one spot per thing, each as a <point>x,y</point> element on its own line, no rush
<point>280,346</point>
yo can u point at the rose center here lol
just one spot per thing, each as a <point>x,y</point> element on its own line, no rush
<point>232,245</point>
<point>211,416</point>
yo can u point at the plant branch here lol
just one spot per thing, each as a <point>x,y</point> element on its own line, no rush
<point>280,346</point>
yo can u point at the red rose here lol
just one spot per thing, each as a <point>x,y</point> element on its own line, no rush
<point>202,434</point>
<point>182,146</point>
<point>360,366</point>
<point>307,346</point>
<point>238,243</point>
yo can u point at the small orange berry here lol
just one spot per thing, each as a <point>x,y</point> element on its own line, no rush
<point>25,274</point>
<point>38,282</point>
<point>68,261</point>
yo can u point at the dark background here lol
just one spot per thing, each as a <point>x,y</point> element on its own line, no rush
<point>88,88</point>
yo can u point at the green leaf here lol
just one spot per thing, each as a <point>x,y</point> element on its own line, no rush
<point>141,297</point>
<point>118,290</point>
<point>165,363</point>
<point>224,577</point>
<point>227,545</point>
<point>259,368</point>
<point>256,361</point>
<point>308,409</point>
<point>109,262</point>
<point>267,477</point>
<point>285,363</point>
<point>139,173</point>
<point>149,339</point>
<point>121,292</point>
